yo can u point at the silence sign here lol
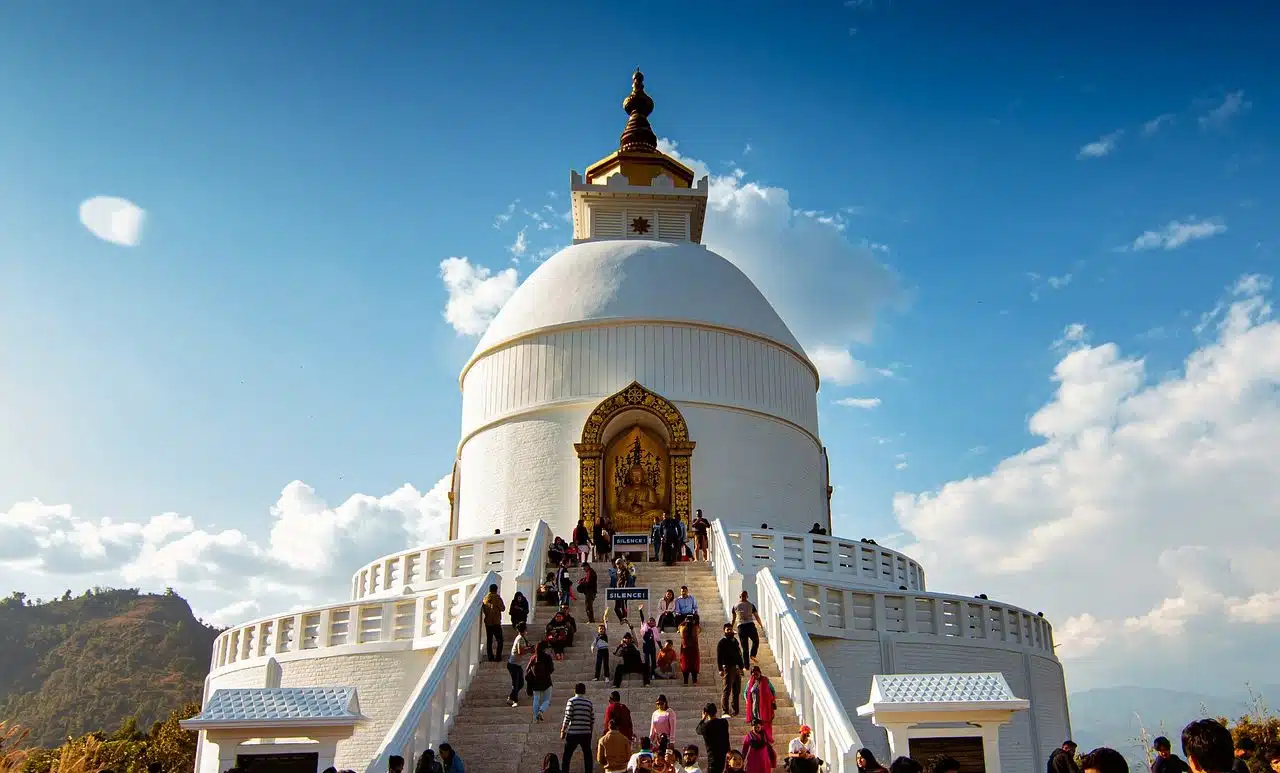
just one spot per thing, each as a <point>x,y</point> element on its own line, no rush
<point>630,540</point>
<point>627,594</point>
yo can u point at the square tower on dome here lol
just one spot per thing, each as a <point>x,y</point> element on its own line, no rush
<point>638,192</point>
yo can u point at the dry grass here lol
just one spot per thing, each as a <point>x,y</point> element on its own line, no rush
<point>13,753</point>
<point>80,756</point>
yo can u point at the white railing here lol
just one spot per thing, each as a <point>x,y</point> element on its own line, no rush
<point>409,621</point>
<point>416,621</point>
<point>859,613</point>
<point>819,556</point>
<point>729,579</point>
<point>427,716</point>
<point>529,572</point>
<point>807,682</point>
<point>417,568</point>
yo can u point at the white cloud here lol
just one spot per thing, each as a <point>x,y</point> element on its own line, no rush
<point>837,365</point>
<point>305,557</point>
<point>503,217</point>
<point>1156,124</point>
<point>1143,521</point>
<point>1039,283</point>
<point>1233,104</point>
<point>112,219</point>
<point>1072,334</point>
<point>1176,233</point>
<point>828,287</point>
<point>866,403</point>
<point>1102,146</point>
<point>475,294</point>
<point>521,245</point>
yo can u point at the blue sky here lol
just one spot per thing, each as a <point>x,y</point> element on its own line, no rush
<point>305,169</point>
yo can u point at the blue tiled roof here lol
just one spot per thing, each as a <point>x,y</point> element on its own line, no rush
<point>265,704</point>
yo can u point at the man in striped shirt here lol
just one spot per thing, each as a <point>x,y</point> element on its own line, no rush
<point>579,720</point>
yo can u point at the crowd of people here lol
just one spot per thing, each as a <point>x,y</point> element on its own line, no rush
<point>1207,747</point>
<point>616,746</point>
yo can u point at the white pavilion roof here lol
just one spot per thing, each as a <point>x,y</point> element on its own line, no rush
<point>277,706</point>
<point>638,280</point>
<point>914,692</point>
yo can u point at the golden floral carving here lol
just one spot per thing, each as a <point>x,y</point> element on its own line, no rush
<point>590,449</point>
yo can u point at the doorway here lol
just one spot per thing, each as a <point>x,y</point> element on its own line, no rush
<point>278,763</point>
<point>967,751</point>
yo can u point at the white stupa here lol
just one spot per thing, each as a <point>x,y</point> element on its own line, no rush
<point>636,374</point>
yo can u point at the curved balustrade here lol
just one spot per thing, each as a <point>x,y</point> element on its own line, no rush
<point>811,690</point>
<point>427,716</point>
<point>817,555</point>
<point>421,567</point>
<point>402,622</point>
<point>858,613</point>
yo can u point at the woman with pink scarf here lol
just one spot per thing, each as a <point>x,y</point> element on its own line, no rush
<point>758,751</point>
<point>762,701</point>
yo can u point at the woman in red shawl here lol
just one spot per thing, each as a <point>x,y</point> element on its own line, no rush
<point>689,655</point>
<point>762,701</point>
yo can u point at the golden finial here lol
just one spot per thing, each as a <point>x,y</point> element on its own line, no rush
<point>638,134</point>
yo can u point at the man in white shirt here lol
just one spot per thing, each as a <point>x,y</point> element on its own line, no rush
<point>688,762</point>
<point>519,648</point>
<point>800,752</point>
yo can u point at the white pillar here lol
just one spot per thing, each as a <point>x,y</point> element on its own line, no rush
<point>899,745</point>
<point>991,747</point>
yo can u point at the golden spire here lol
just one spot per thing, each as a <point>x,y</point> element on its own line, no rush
<point>638,135</point>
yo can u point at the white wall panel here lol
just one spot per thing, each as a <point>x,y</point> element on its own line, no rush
<point>678,362</point>
<point>851,664</point>
<point>747,469</point>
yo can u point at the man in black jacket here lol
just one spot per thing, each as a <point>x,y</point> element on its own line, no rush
<point>1063,759</point>
<point>729,661</point>
<point>1166,761</point>
<point>715,731</point>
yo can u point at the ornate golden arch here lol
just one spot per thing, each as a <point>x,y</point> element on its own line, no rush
<point>591,449</point>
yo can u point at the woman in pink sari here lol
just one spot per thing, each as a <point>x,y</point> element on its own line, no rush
<point>758,751</point>
<point>762,701</point>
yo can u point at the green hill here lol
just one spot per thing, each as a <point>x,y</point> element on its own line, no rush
<point>79,665</point>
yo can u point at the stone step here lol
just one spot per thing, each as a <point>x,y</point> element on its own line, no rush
<point>493,737</point>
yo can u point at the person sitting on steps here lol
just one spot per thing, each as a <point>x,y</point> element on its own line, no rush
<point>629,661</point>
<point>667,658</point>
<point>667,611</point>
<point>573,623</point>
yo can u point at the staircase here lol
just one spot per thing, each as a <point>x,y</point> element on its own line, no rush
<point>492,737</point>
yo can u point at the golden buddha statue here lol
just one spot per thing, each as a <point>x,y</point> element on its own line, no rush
<point>637,503</point>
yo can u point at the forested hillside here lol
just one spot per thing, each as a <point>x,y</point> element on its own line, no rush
<point>76,665</point>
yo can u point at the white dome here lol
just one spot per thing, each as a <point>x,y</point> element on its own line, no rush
<point>637,279</point>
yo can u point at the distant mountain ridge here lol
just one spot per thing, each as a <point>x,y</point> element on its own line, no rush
<point>1115,716</point>
<point>82,664</point>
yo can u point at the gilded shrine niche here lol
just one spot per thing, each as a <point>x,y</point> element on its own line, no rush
<point>631,471</point>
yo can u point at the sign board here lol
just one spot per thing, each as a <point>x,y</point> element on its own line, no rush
<point>637,541</point>
<point>626,594</point>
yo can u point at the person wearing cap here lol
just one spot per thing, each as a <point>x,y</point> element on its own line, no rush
<point>1063,759</point>
<point>800,752</point>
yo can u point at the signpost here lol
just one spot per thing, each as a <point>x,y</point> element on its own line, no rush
<point>626,594</point>
<point>632,544</point>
